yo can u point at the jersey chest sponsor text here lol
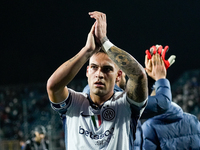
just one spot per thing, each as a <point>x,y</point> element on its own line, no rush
<point>89,134</point>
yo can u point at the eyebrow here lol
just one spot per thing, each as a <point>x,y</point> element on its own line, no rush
<point>93,64</point>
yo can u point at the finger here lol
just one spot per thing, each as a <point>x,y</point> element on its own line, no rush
<point>103,16</point>
<point>160,49</point>
<point>153,50</point>
<point>146,61</point>
<point>97,15</point>
<point>93,14</point>
<point>147,71</point>
<point>172,62</point>
<point>164,52</point>
<point>148,54</point>
<point>153,60</point>
<point>162,62</point>
<point>150,64</point>
<point>166,64</point>
<point>157,59</point>
<point>93,26</point>
<point>157,46</point>
<point>171,59</point>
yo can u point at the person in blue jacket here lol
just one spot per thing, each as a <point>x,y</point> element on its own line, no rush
<point>174,130</point>
<point>158,103</point>
<point>160,99</point>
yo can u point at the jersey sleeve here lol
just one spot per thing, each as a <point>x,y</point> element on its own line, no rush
<point>137,108</point>
<point>62,106</point>
<point>74,99</point>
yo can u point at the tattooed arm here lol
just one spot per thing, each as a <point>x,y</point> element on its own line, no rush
<point>137,89</point>
<point>56,84</point>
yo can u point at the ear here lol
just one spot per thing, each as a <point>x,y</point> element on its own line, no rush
<point>119,75</point>
<point>87,71</point>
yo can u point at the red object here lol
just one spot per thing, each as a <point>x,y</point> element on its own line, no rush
<point>148,54</point>
<point>160,48</point>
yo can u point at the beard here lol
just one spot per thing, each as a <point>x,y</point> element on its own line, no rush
<point>98,91</point>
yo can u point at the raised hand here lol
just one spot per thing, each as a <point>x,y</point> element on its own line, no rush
<point>90,43</point>
<point>159,49</point>
<point>100,26</point>
<point>155,67</point>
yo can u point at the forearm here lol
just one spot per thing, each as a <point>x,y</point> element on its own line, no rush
<point>163,94</point>
<point>126,62</point>
<point>160,102</point>
<point>64,74</point>
<point>137,83</point>
<point>67,71</point>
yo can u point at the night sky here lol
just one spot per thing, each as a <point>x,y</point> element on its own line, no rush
<point>38,36</point>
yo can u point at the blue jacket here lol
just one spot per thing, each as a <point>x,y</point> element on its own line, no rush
<point>156,105</point>
<point>174,130</point>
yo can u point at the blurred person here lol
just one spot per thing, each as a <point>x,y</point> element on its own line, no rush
<point>21,143</point>
<point>103,119</point>
<point>160,99</point>
<point>173,129</point>
<point>157,103</point>
<point>38,140</point>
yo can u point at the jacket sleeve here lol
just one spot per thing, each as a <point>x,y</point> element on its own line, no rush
<point>159,103</point>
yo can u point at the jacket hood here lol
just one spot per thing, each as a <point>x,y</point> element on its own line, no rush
<point>174,113</point>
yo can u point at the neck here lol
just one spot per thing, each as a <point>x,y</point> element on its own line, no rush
<point>99,100</point>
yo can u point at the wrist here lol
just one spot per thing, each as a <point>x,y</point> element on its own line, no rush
<point>88,51</point>
<point>160,78</point>
<point>103,40</point>
<point>107,45</point>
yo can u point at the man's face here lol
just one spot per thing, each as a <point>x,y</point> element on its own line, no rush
<point>101,74</point>
<point>38,137</point>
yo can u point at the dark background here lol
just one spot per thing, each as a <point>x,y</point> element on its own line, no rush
<point>38,36</point>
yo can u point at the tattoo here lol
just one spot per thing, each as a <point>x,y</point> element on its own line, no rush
<point>125,61</point>
<point>137,85</point>
<point>137,90</point>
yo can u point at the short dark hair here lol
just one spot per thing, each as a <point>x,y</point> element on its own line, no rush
<point>100,51</point>
<point>40,129</point>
